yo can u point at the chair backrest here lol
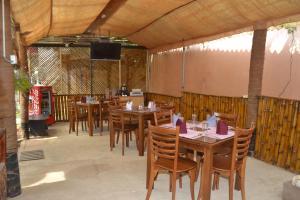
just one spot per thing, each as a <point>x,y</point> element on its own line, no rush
<point>230,119</point>
<point>71,107</point>
<point>2,146</point>
<point>241,144</point>
<point>104,108</point>
<point>164,144</point>
<point>115,116</point>
<point>162,117</point>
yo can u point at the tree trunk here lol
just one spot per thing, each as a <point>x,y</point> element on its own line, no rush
<point>8,107</point>
<point>256,73</point>
<point>24,97</point>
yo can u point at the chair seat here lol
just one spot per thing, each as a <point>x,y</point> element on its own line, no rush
<point>183,164</point>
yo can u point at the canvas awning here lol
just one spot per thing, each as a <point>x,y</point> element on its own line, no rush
<point>151,23</point>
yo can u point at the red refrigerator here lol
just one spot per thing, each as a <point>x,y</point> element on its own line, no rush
<point>41,102</point>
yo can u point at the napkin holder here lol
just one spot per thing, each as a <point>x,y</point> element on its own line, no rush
<point>222,128</point>
<point>182,126</point>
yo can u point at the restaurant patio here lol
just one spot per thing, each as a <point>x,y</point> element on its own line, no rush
<point>129,99</point>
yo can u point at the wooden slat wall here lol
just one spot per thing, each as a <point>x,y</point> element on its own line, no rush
<point>163,98</point>
<point>203,104</point>
<point>278,132</point>
<point>61,106</point>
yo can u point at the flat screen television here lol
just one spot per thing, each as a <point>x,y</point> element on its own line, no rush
<point>105,51</point>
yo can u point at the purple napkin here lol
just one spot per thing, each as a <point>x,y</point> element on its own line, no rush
<point>182,126</point>
<point>222,128</point>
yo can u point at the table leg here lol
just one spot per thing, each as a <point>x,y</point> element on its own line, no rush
<point>90,119</point>
<point>141,135</point>
<point>205,186</point>
<point>148,162</point>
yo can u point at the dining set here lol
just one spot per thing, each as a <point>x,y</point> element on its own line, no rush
<point>214,155</point>
<point>199,152</point>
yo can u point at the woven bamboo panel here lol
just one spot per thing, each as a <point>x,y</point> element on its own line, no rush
<point>163,99</point>
<point>204,104</point>
<point>67,70</point>
<point>278,132</point>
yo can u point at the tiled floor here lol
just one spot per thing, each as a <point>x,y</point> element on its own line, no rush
<point>83,167</point>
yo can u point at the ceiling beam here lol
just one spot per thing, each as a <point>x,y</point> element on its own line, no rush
<point>105,14</point>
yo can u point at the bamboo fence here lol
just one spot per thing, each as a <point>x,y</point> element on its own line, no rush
<point>206,104</point>
<point>278,132</point>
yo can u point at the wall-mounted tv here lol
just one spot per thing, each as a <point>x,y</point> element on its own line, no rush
<point>105,51</point>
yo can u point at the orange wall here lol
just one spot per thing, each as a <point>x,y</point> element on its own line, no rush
<point>221,67</point>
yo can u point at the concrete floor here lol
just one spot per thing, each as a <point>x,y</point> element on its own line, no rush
<point>83,167</point>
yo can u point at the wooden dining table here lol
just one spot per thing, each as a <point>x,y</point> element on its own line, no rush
<point>206,145</point>
<point>141,115</point>
<point>90,109</point>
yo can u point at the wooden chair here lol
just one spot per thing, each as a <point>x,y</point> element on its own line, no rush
<point>80,116</point>
<point>118,123</point>
<point>230,119</point>
<point>228,165</point>
<point>164,156</point>
<point>103,114</point>
<point>162,117</point>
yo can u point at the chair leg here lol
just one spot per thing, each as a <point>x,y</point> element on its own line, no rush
<point>231,179</point>
<point>118,135</point>
<point>70,126</point>
<point>101,127</point>
<point>153,174</point>
<point>180,180</point>
<point>127,139</point>
<point>192,175</point>
<point>123,134</point>
<point>173,185</point>
<point>82,125</point>
<point>77,127</point>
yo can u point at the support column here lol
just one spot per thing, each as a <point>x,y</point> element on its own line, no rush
<point>7,98</point>
<point>256,73</point>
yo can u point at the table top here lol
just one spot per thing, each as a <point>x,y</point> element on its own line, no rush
<point>38,117</point>
<point>87,104</point>
<point>197,135</point>
<point>143,111</point>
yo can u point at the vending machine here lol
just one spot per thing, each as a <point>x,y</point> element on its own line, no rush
<point>41,102</point>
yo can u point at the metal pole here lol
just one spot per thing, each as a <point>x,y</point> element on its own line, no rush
<point>147,71</point>
<point>91,77</point>
<point>120,74</point>
<point>183,68</point>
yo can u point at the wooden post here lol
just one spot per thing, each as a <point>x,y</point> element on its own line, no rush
<point>7,98</point>
<point>256,73</point>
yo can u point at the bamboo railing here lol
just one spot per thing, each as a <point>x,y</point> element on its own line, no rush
<point>278,122</point>
<point>205,104</point>
<point>61,105</point>
<point>278,132</point>
<point>202,104</point>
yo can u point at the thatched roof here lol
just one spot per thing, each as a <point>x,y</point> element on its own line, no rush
<point>151,23</point>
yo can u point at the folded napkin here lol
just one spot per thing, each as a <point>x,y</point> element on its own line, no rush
<point>174,119</point>
<point>222,128</point>
<point>129,105</point>
<point>212,121</point>
<point>182,126</point>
